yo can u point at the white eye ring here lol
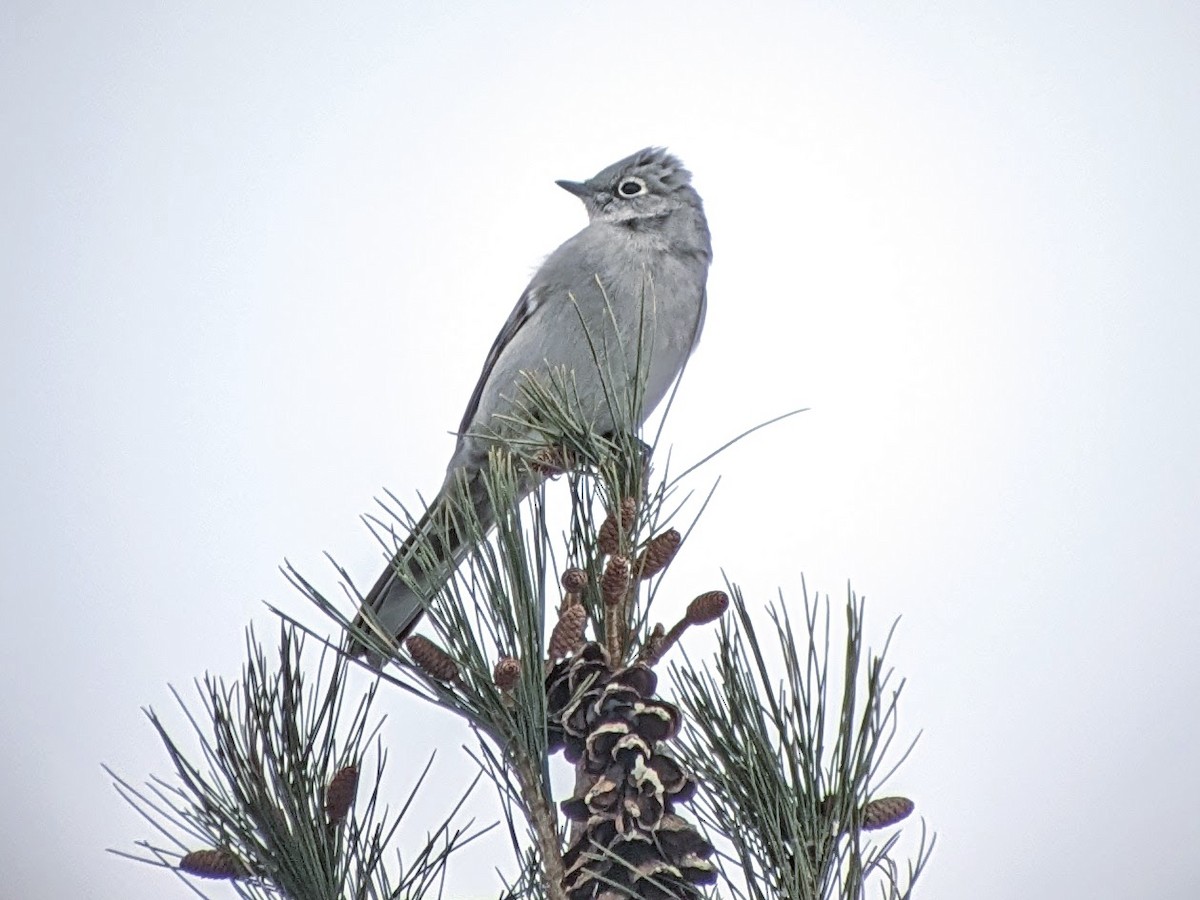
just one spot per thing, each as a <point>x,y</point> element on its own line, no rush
<point>631,186</point>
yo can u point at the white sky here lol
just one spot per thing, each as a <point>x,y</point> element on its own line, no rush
<point>253,260</point>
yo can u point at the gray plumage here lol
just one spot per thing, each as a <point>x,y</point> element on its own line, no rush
<point>647,244</point>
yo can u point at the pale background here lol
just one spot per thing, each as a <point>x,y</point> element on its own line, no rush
<point>252,261</point>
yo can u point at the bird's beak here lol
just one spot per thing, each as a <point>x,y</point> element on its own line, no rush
<point>578,188</point>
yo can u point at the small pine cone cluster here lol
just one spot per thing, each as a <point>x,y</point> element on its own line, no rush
<point>609,723</point>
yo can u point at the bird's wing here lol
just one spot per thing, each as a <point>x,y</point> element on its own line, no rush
<point>531,300</point>
<point>700,320</point>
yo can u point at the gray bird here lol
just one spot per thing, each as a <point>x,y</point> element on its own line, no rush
<point>629,285</point>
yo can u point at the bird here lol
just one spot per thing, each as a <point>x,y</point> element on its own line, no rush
<point>633,282</point>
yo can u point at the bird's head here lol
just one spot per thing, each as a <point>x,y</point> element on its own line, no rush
<point>650,184</point>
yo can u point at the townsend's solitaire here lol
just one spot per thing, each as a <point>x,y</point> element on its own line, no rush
<point>633,278</point>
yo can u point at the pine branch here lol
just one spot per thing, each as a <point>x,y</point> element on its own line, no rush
<point>271,800</point>
<point>791,775</point>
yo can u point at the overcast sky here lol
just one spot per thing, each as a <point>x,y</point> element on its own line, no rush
<point>254,255</point>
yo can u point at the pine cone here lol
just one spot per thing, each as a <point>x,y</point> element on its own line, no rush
<point>574,580</point>
<point>658,554</point>
<point>632,843</point>
<point>567,636</point>
<point>432,659</point>
<point>608,539</point>
<point>340,794</point>
<point>213,864</point>
<point>885,811</point>
<point>506,672</point>
<point>549,462</point>
<point>708,607</point>
<point>615,581</point>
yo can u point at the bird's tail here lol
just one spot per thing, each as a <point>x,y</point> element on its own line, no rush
<point>425,561</point>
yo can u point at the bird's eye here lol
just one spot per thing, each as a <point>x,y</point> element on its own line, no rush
<point>631,187</point>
